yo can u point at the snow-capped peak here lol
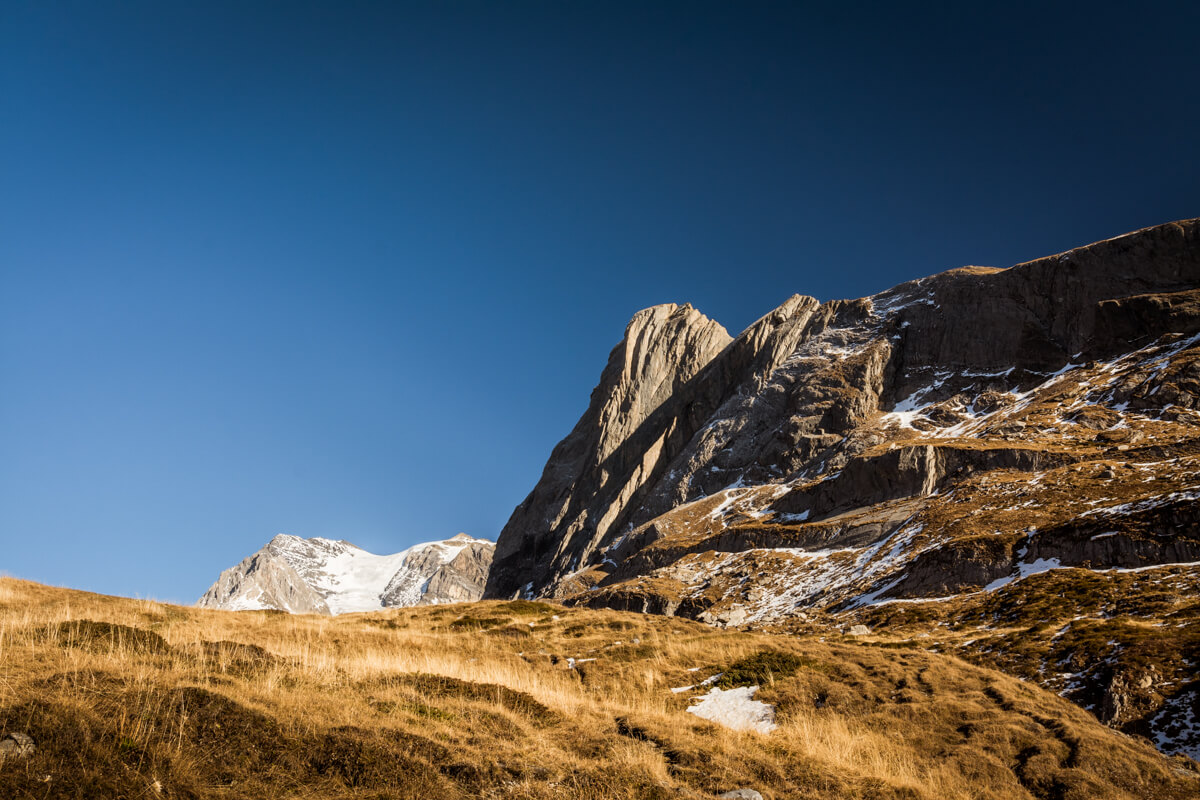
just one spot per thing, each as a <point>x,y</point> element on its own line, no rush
<point>337,577</point>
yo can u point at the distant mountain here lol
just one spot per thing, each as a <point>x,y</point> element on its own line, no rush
<point>325,576</point>
<point>1003,463</point>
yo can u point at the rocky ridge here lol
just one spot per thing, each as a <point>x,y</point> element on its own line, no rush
<point>325,576</point>
<point>950,441</point>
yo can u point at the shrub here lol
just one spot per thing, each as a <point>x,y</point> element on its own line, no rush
<point>761,668</point>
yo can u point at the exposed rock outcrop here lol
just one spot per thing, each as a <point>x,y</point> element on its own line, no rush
<point>1130,696</point>
<point>265,579</point>
<point>16,745</point>
<point>432,578</point>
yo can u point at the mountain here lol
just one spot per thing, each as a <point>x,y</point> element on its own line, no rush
<point>1002,463</point>
<point>324,576</point>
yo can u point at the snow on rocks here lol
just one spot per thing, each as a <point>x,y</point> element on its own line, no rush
<point>736,709</point>
<point>1094,383</point>
<point>1024,571</point>
<point>1158,501</point>
<point>1176,727</point>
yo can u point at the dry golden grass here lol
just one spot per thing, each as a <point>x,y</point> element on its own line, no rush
<point>133,698</point>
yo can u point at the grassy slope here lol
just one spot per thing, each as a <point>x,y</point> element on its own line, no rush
<point>473,701</point>
<point>1070,631</point>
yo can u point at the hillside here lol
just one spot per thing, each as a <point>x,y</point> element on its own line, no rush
<point>1002,461</point>
<point>132,698</point>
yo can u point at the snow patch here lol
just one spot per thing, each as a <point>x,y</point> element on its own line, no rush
<point>1176,728</point>
<point>1024,571</point>
<point>736,709</point>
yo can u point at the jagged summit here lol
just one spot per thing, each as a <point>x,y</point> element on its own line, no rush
<point>947,441</point>
<point>287,539</point>
<point>663,349</point>
<point>328,576</point>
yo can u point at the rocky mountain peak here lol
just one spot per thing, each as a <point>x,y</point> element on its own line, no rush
<point>328,576</point>
<point>621,442</point>
<point>944,442</point>
<point>797,394</point>
<point>664,346</point>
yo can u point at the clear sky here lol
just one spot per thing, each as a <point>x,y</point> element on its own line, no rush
<point>350,269</point>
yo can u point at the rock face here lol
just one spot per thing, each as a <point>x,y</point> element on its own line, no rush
<point>683,412</point>
<point>324,576</point>
<point>957,436</point>
<point>618,447</point>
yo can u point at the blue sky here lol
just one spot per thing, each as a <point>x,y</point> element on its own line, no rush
<point>352,269</point>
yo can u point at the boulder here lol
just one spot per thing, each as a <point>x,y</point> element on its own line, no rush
<point>16,745</point>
